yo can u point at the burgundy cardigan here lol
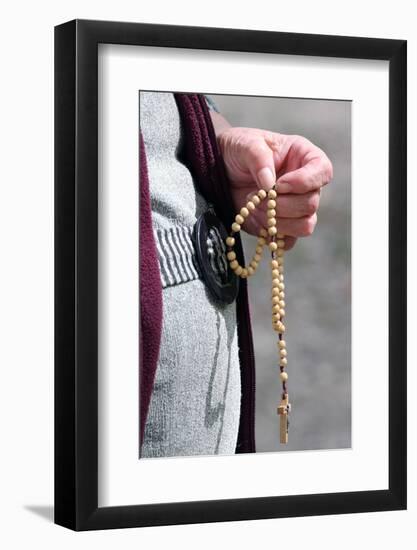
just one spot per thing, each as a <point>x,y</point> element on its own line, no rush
<point>206,165</point>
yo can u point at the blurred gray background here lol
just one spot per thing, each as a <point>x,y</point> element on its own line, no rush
<point>318,287</point>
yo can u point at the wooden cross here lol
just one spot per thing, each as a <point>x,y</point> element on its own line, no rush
<point>283,411</point>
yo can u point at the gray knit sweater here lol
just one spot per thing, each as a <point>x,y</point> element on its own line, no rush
<point>195,404</point>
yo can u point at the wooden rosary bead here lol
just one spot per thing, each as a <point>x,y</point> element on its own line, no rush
<point>268,236</point>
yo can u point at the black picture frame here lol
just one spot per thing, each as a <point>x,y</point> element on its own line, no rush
<point>76,271</point>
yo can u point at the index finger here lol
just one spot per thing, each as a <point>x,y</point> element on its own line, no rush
<point>318,171</point>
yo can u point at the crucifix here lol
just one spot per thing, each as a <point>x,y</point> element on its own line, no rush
<point>283,411</point>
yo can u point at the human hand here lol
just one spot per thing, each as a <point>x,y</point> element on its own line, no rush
<point>256,159</point>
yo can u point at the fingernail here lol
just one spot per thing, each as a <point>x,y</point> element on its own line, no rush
<point>283,187</point>
<point>266,178</point>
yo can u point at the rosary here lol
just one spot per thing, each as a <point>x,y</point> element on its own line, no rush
<point>276,246</point>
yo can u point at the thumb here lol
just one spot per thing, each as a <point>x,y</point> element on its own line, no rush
<point>260,163</point>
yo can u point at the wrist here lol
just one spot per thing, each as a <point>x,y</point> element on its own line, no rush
<point>220,124</point>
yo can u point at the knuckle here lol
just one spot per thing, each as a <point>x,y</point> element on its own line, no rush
<point>306,184</point>
<point>255,147</point>
<point>312,204</point>
<point>299,140</point>
<point>327,170</point>
<point>273,139</point>
<point>290,242</point>
<point>312,177</point>
<point>308,225</point>
<point>310,182</point>
<point>315,181</point>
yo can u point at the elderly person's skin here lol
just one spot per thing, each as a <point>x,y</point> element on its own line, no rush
<point>256,159</point>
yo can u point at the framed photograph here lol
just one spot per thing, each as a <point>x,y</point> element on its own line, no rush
<point>230,274</point>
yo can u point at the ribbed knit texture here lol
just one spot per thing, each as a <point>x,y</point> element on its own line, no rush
<point>177,257</point>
